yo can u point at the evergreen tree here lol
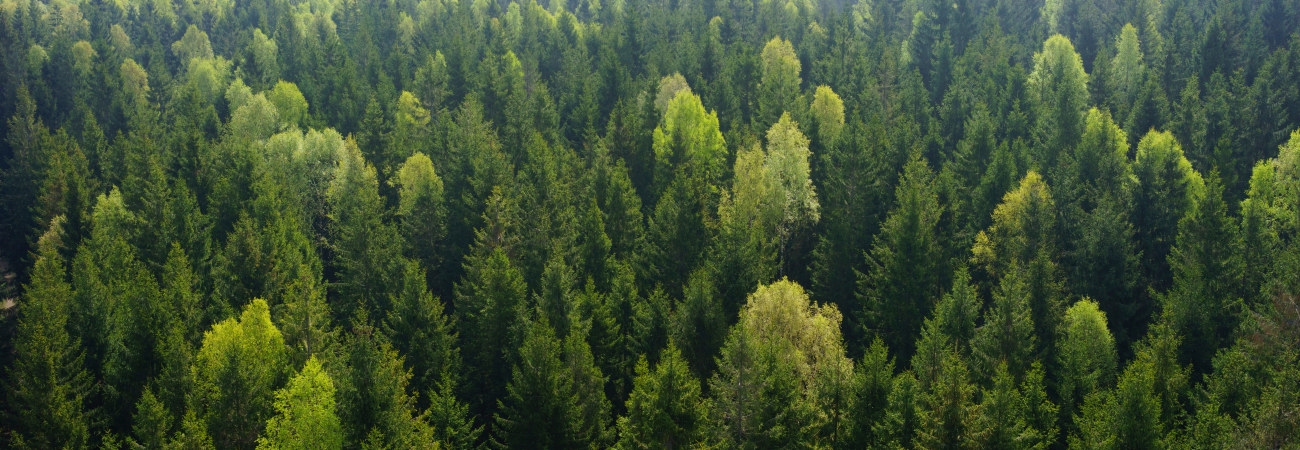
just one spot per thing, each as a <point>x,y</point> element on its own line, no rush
<point>1204,303</point>
<point>422,211</point>
<point>945,409</point>
<point>374,402</point>
<point>1007,333</point>
<point>368,251</point>
<point>549,397</point>
<point>47,386</point>
<point>905,263</point>
<point>1058,92</point>
<point>665,409</point>
<point>1167,188</point>
<point>1087,357</point>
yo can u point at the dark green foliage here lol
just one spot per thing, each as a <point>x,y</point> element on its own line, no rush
<point>905,263</point>
<point>665,409</point>
<point>554,224</point>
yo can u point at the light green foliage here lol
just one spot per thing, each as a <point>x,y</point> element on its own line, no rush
<point>1270,211</point>
<point>669,86</point>
<point>1022,242</point>
<point>1087,356</point>
<point>135,85</point>
<point>194,44</point>
<point>265,52</point>
<point>254,120</point>
<point>779,85</point>
<point>688,140</point>
<point>422,210</point>
<point>1021,230</point>
<point>787,161</point>
<point>1058,93</point>
<point>304,413</point>
<point>83,57</point>
<point>289,104</point>
<point>236,372</point>
<point>208,76</point>
<point>827,111</point>
<point>780,368</point>
<point>1127,69</point>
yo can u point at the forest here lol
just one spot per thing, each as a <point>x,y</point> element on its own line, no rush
<point>650,224</point>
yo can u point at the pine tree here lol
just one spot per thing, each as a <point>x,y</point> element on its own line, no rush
<point>374,402</point>
<point>1058,92</point>
<point>665,409</point>
<point>47,386</point>
<point>1167,187</point>
<point>423,334</point>
<point>422,211</point>
<point>548,398</point>
<point>1087,358</point>
<point>486,301</point>
<point>1204,304</point>
<point>1007,333</point>
<point>905,262</point>
<point>945,409</point>
<point>367,250</point>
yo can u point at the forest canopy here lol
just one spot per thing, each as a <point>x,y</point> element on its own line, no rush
<point>649,224</point>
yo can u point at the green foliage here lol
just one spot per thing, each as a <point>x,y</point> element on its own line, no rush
<point>555,397</point>
<point>688,141</point>
<point>289,103</point>
<point>236,372</point>
<point>1006,336</point>
<point>48,386</point>
<point>473,219</point>
<point>1203,305</point>
<point>665,409</point>
<point>779,87</point>
<point>1087,356</point>
<point>905,262</point>
<point>1167,189</point>
<point>780,367</point>
<point>1058,93</point>
<point>304,413</point>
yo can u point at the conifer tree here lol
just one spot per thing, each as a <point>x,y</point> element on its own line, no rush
<point>47,386</point>
<point>665,409</point>
<point>1058,93</point>
<point>905,262</point>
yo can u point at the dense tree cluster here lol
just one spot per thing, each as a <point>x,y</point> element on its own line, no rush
<point>650,224</point>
